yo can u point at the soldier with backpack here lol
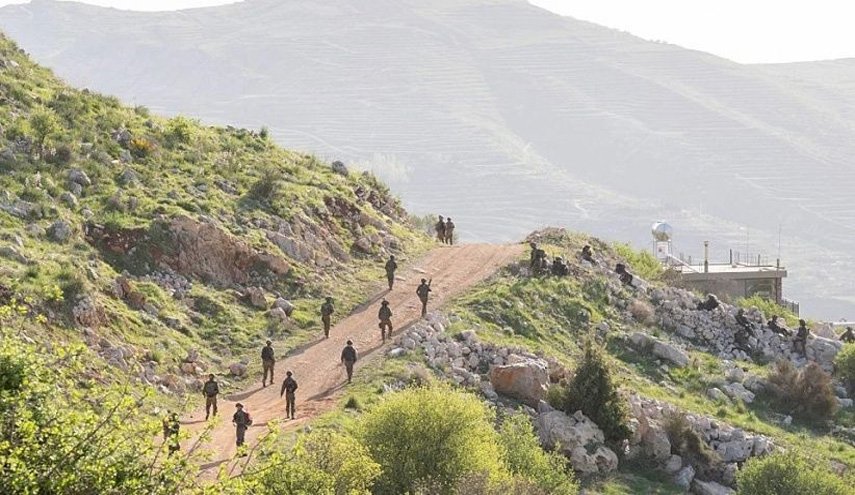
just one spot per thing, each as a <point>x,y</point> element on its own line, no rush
<point>242,420</point>
<point>440,230</point>
<point>449,231</point>
<point>385,316</point>
<point>422,291</point>
<point>268,361</point>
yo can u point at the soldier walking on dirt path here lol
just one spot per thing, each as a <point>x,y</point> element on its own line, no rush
<point>210,390</point>
<point>171,428</point>
<point>268,361</point>
<point>449,231</point>
<point>327,310</point>
<point>440,230</point>
<point>422,291</point>
<point>242,420</point>
<point>348,359</point>
<point>289,386</point>
<point>391,266</point>
<point>385,316</point>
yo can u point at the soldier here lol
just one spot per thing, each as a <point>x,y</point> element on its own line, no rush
<point>800,342</point>
<point>775,327</point>
<point>848,336</point>
<point>440,230</point>
<point>348,359</point>
<point>289,386</point>
<point>391,266</point>
<point>449,231</point>
<point>744,332</point>
<point>559,268</point>
<point>532,255</point>
<point>588,255</point>
<point>385,316</point>
<point>625,276</point>
<point>327,310</point>
<point>210,390</point>
<point>268,361</point>
<point>242,420</point>
<point>171,427</point>
<point>710,304</point>
<point>422,291</point>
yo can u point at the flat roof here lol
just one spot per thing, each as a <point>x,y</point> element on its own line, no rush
<point>727,271</point>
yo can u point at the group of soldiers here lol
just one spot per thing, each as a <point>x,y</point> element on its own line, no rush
<point>241,418</point>
<point>444,230</point>
<point>540,265</point>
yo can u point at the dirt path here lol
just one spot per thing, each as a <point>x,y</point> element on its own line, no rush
<point>317,368</point>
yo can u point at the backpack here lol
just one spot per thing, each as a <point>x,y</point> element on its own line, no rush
<point>248,419</point>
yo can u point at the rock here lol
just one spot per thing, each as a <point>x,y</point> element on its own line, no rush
<point>397,352</point>
<point>60,231</point>
<point>526,381</point>
<point>684,477</point>
<point>655,443</point>
<point>237,369</point>
<point>88,314</point>
<point>717,395</point>
<point>488,391</point>
<point>35,230</point>
<point>579,439</point>
<point>738,392</point>
<point>641,340</point>
<point>128,177</point>
<point>69,199</point>
<point>77,176</point>
<point>710,488</point>
<point>285,305</point>
<point>754,383</point>
<point>256,297</point>
<point>408,343</point>
<point>670,353</point>
<point>673,464</point>
<point>10,253</point>
<point>279,315</point>
<point>735,375</point>
<point>844,403</point>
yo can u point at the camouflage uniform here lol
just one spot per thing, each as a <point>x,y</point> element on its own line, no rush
<point>385,316</point>
<point>289,386</point>
<point>449,232</point>
<point>210,390</point>
<point>440,230</point>
<point>327,310</point>
<point>171,428</point>
<point>422,291</point>
<point>800,342</point>
<point>242,421</point>
<point>268,362</point>
<point>348,357</point>
<point>391,266</point>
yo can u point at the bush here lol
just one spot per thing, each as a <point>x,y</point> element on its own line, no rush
<point>430,437</point>
<point>528,462</point>
<point>845,364</point>
<point>641,263</point>
<point>43,124</point>
<point>641,311</point>
<point>266,187</point>
<point>140,147</point>
<point>806,393</point>
<point>323,462</point>
<point>593,391</point>
<point>788,474</point>
<point>687,443</point>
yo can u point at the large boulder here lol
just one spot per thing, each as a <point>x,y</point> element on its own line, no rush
<point>823,351</point>
<point>526,381</point>
<point>256,297</point>
<point>60,231</point>
<point>710,488</point>
<point>579,439</point>
<point>670,353</point>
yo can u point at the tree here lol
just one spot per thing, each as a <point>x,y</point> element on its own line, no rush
<point>845,364</point>
<point>527,460</point>
<point>431,437</point>
<point>593,391</point>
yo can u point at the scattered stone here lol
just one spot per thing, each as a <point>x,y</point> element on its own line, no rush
<point>256,297</point>
<point>684,477</point>
<point>670,353</point>
<point>339,168</point>
<point>710,488</point>
<point>285,305</point>
<point>60,231</point>
<point>527,380</point>
<point>11,253</point>
<point>579,439</point>
<point>397,352</point>
<point>77,176</point>
<point>237,369</point>
<point>69,199</point>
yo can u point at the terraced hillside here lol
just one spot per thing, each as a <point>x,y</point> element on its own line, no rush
<point>503,115</point>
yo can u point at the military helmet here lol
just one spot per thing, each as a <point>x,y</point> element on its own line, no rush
<point>288,373</point>
<point>349,342</point>
<point>239,405</point>
<point>269,342</point>
<point>384,303</point>
<point>424,280</point>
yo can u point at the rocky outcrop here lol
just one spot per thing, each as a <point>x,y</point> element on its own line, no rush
<point>579,439</point>
<point>526,380</point>
<point>88,313</point>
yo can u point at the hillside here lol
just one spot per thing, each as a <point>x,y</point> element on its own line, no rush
<point>502,115</point>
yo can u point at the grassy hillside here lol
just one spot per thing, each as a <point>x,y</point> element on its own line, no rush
<point>195,217</point>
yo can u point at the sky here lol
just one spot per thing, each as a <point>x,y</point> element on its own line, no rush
<point>747,31</point>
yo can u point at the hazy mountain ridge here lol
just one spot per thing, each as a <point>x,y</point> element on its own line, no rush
<point>501,114</point>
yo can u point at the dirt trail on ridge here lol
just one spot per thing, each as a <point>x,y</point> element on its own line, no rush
<point>317,368</point>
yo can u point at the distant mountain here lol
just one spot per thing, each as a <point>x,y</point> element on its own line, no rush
<point>503,115</point>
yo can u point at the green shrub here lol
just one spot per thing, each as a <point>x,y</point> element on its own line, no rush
<point>43,123</point>
<point>806,393</point>
<point>788,474</point>
<point>179,130</point>
<point>323,462</point>
<point>527,461</point>
<point>688,444</point>
<point>141,147</point>
<point>769,308</point>
<point>641,263</point>
<point>845,364</point>
<point>593,391</point>
<point>430,437</point>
